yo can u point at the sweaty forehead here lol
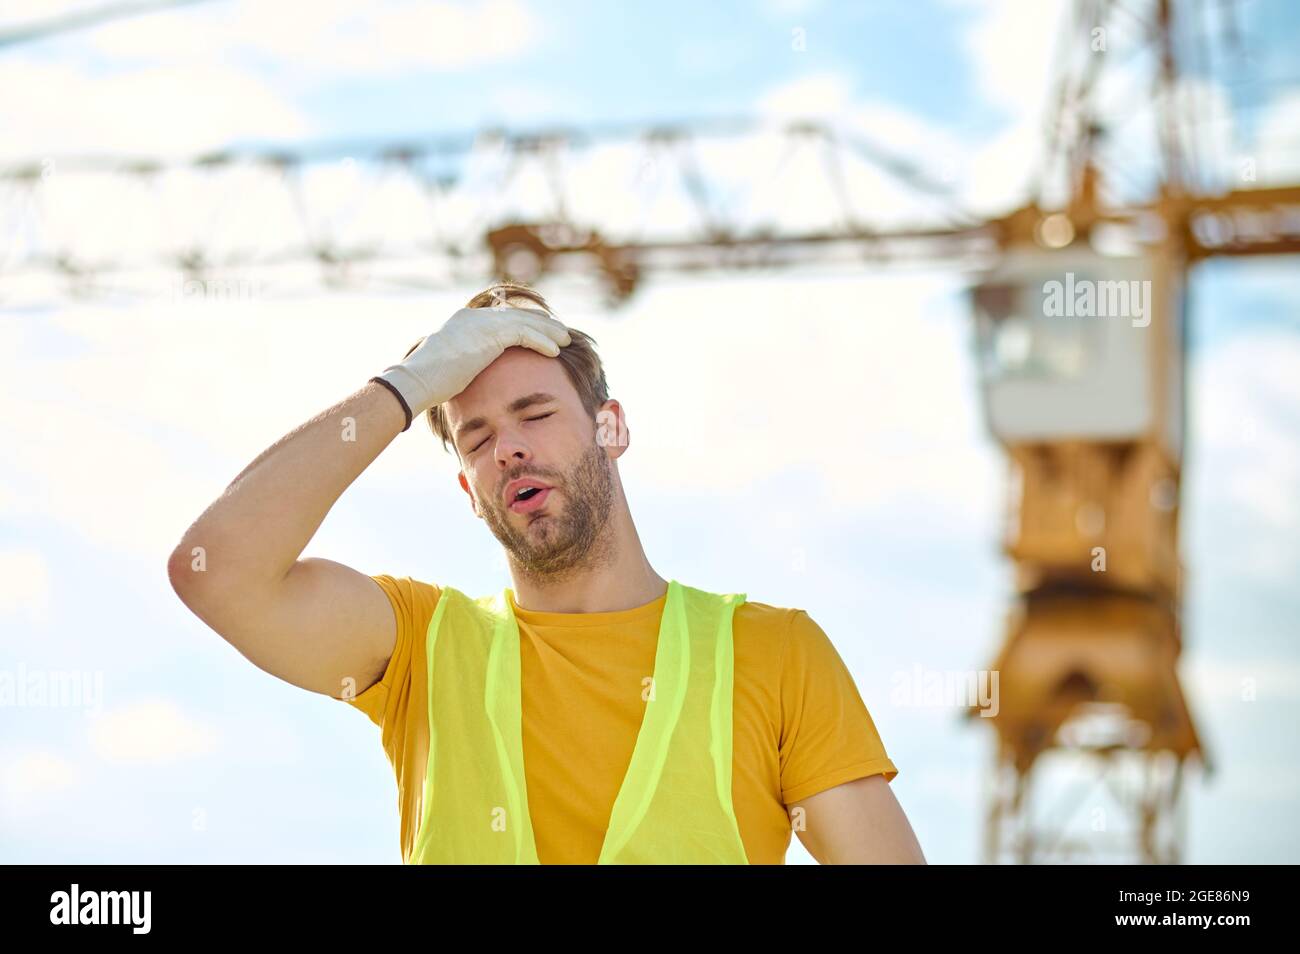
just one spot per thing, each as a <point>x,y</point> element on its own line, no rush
<point>503,387</point>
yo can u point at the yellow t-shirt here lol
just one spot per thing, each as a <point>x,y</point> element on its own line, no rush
<point>799,724</point>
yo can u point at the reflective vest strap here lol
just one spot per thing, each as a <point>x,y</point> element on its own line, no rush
<point>721,716</point>
<point>663,709</point>
<point>675,806</point>
<point>420,853</point>
<point>502,701</point>
<point>474,807</point>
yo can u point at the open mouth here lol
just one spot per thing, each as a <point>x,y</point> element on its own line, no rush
<point>530,499</point>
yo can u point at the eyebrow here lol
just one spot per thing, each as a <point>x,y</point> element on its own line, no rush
<point>518,404</point>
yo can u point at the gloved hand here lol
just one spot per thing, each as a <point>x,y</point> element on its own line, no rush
<point>445,362</point>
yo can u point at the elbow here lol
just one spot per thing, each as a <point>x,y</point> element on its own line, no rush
<point>185,568</point>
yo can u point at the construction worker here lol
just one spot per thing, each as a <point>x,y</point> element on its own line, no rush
<point>593,712</point>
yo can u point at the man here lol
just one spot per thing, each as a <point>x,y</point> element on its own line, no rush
<point>593,713</point>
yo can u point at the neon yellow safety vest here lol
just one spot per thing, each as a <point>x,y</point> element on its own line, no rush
<point>674,806</point>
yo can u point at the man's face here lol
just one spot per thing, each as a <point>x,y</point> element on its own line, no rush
<point>521,418</point>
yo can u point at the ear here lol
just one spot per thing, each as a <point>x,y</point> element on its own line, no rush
<point>464,485</point>
<point>611,429</point>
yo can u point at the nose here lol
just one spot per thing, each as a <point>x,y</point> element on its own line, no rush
<point>511,449</point>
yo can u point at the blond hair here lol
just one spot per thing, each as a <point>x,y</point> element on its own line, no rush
<point>579,358</point>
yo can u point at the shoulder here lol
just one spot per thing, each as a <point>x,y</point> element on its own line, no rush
<point>794,641</point>
<point>782,625</point>
<point>755,615</point>
<point>761,634</point>
<point>408,587</point>
<point>412,599</point>
<point>758,622</point>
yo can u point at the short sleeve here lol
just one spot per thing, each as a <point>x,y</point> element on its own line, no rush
<point>380,700</point>
<point>827,735</point>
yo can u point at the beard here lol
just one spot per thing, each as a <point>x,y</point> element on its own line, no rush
<point>555,542</point>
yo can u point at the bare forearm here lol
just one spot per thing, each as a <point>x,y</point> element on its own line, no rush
<point>259,526</point>
<point>859,822</point>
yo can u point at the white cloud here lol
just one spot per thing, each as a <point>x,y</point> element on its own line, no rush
<point>1011,44</point>
<point>183,82</point>
<point>788,178</point>
<point>53,108</point>
<point>26,589</point>
<point>988,174</point>
<point>1277,145</point>
<point>823,95</point>
<point>1214,679</point>
<point>150,731</point>
<point>524,105</point>
<point>28,778</point>
<point>1011,49</point>
<point>333,35</point>
<point>789,8</point>
<point>997,175</point>
<point>1240,487</point>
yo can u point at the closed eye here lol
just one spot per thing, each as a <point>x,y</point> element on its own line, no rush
<point>485,440</point>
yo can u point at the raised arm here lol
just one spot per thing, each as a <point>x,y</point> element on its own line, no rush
<point>311,622</point>
<point>315,623</point>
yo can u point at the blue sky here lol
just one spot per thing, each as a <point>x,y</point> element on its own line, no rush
<point>124,422</point>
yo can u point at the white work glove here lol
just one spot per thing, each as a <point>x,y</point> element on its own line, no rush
<point>445,362</point>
